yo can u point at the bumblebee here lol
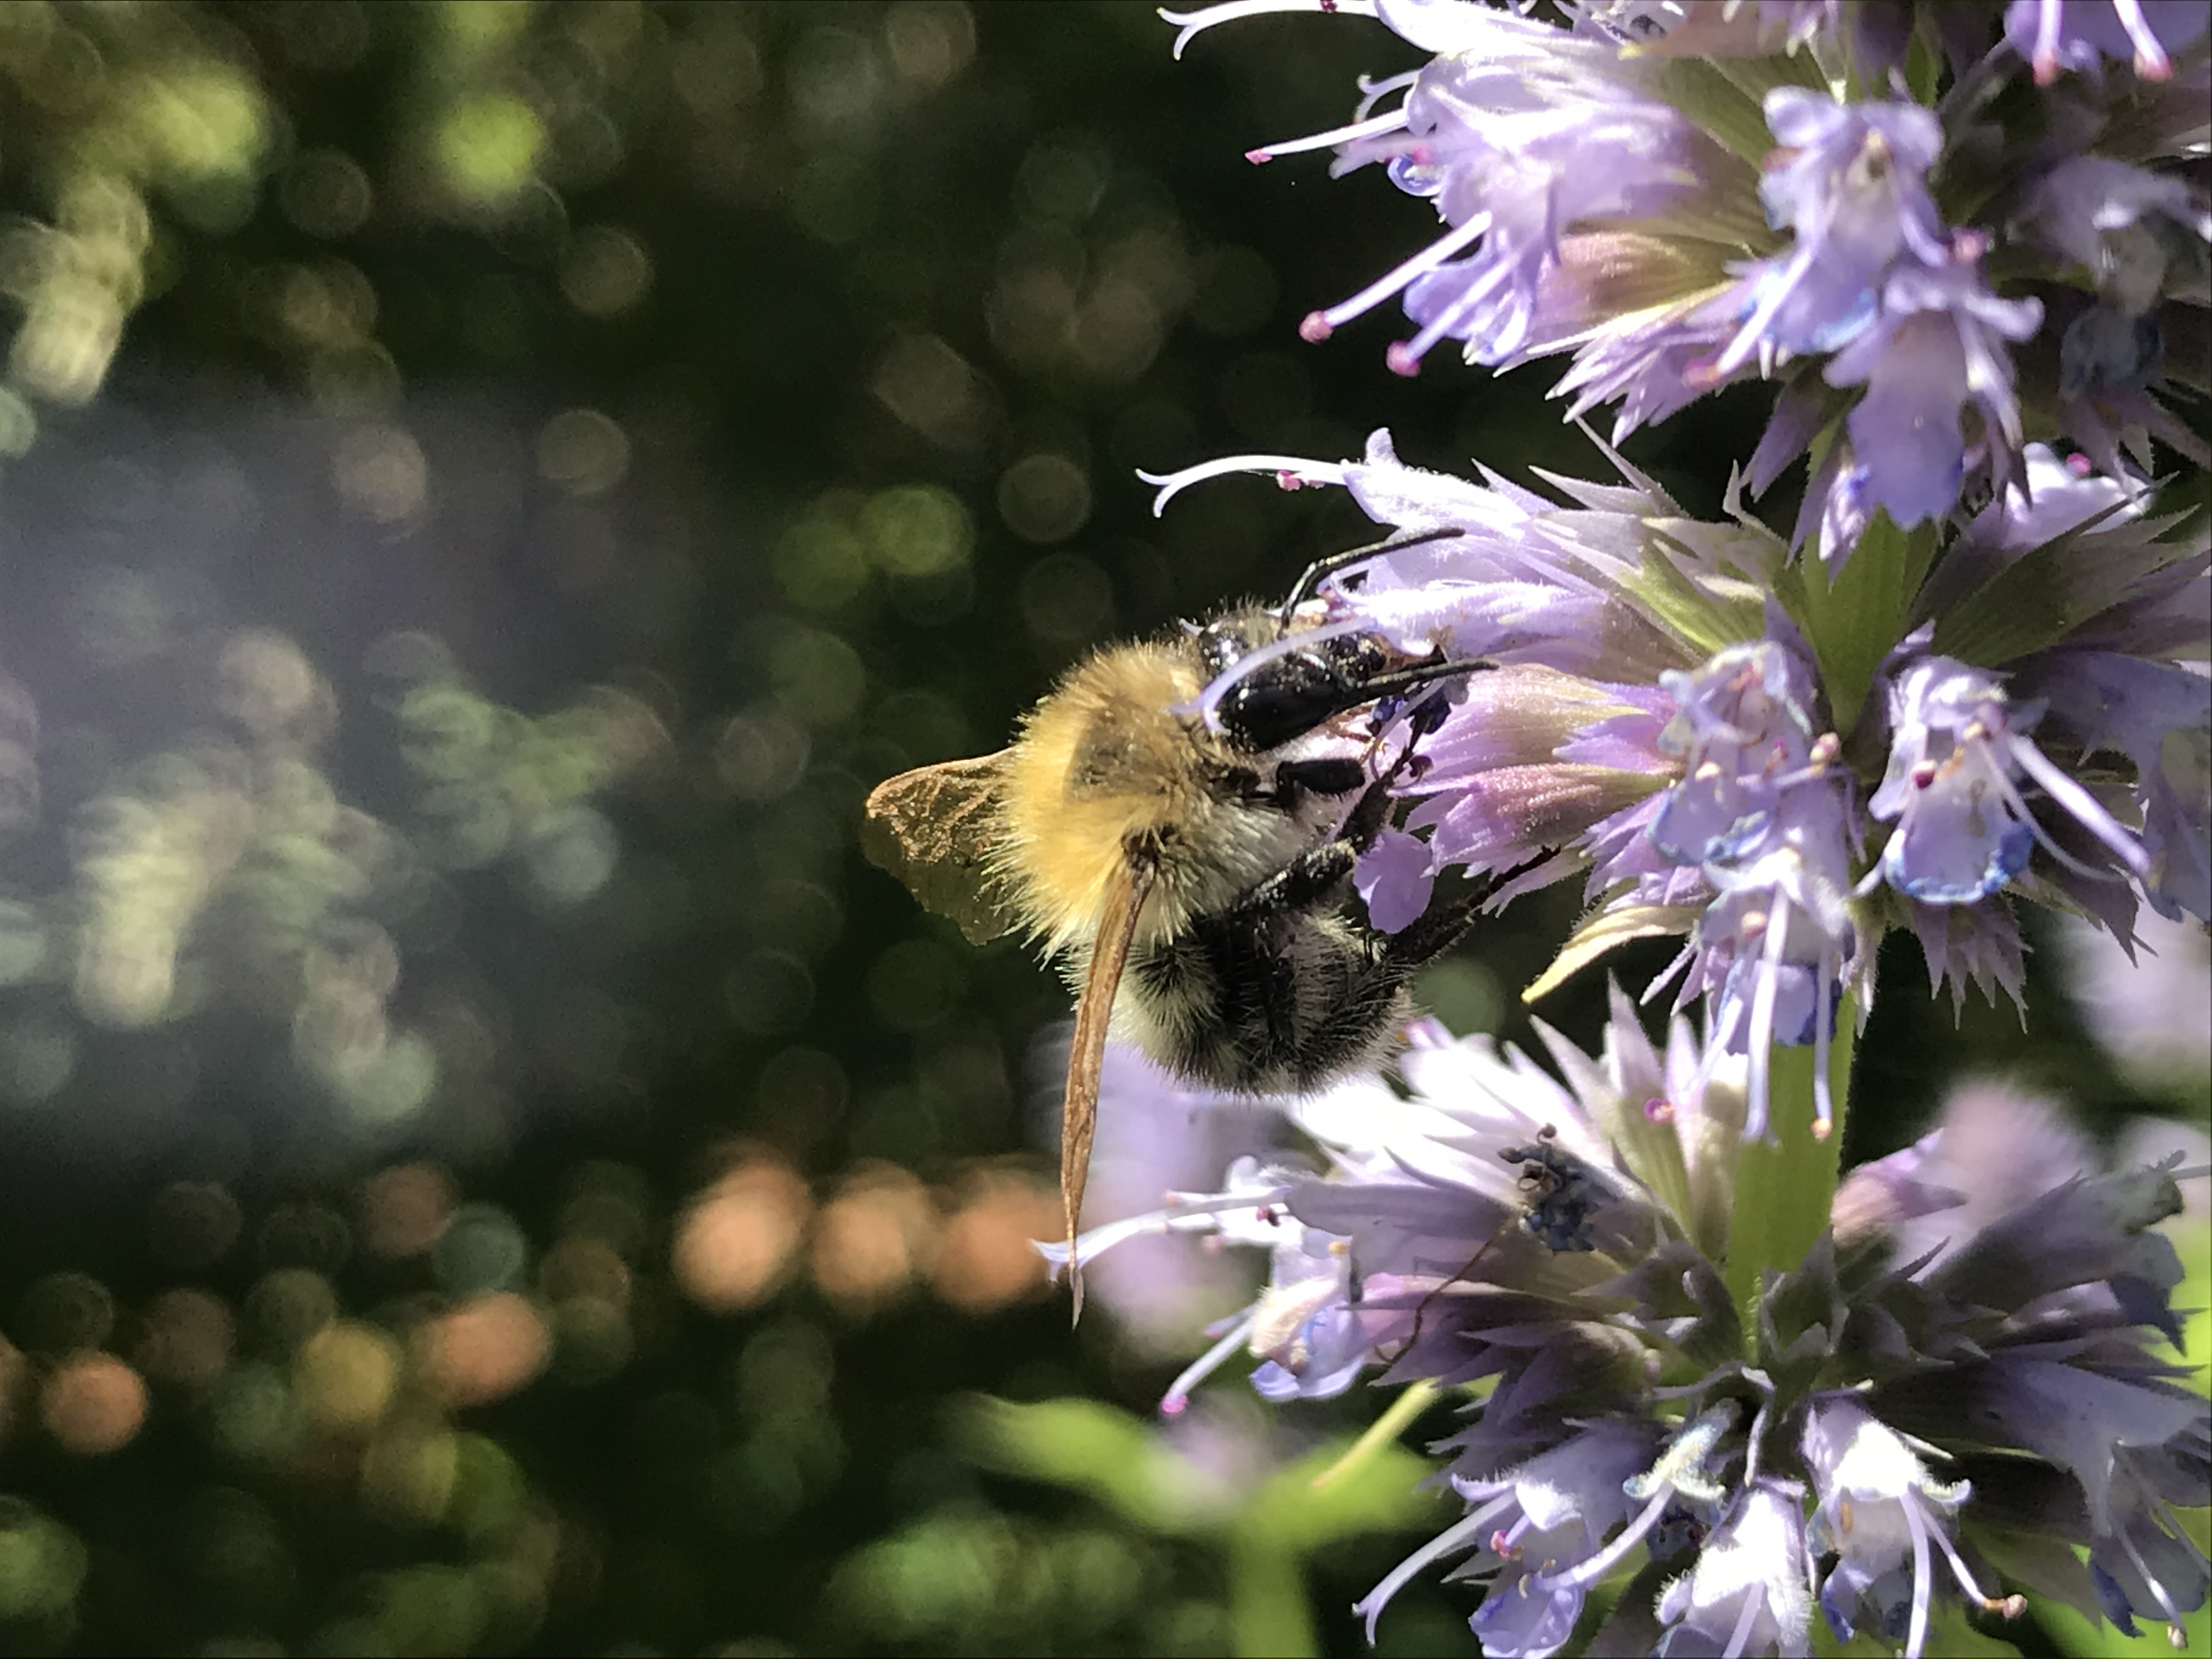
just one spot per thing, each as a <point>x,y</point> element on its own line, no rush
<point>1185,862</point>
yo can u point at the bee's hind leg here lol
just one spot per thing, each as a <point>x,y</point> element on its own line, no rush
<point>1434,931</point>
<point>1368,817</point>
<point>1438,927</point>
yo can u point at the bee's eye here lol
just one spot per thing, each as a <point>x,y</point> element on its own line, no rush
<point>1284,699</point>
<point>1221,645</point>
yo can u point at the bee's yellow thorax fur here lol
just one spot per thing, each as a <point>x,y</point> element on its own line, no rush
<point>1099,760</point>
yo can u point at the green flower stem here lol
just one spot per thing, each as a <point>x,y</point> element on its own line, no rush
<point>1412,1400</point>
<point>1784,1187</point>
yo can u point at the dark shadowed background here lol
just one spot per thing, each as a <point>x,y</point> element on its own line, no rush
<point>485,1165</point>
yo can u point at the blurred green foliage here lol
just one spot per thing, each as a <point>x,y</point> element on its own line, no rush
<point>484,1164</point>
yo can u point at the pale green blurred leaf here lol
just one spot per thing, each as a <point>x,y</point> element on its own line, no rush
<point>1380,1492</point>
<point>1112,1456</point>
<point>1085,1447</point>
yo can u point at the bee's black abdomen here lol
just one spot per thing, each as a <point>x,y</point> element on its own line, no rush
<point>1273,1004</point>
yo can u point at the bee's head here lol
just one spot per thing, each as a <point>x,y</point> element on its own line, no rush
<point>1291,681</point>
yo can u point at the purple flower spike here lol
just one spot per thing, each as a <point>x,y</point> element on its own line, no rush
<point>1552,1511</point>
<point>2160,715</point>
<point>1884,1517</point>
<point>1958,744</point>
<point>2049,498</point>
<point>1744,734</point>
<point>1936,348</point>
<point>1850,182</point>
<point>1747,1593</point>
<point>1517,132</point>
<point>2079,35</point>
<point>2123,225</point>
<point>1774,950</point>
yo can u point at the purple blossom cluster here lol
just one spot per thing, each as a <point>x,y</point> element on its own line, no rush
<point>1673,719</point>
<point>1836,235</point>
<point>1958,1385</point>
<point>1966,246</point>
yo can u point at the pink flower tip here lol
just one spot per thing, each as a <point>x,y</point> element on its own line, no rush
<point>1315,329</point>
<point>1175,1404</point>
<point>1658,1110</point>
<point>1258,156</point>
<point>1289,481</point>
<point>1399,359</point>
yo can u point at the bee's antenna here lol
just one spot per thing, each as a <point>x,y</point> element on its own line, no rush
<point>1329,564</point>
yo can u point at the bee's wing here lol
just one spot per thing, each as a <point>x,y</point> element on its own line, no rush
<point>1086,1054</point>
<point>932,829</point>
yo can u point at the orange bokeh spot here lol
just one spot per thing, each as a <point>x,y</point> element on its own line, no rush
<point>93,1404</point>
<point>986,1254</point>
<point>734,1245</point>
<point>873,1238</point>
<point>484,1350</point>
